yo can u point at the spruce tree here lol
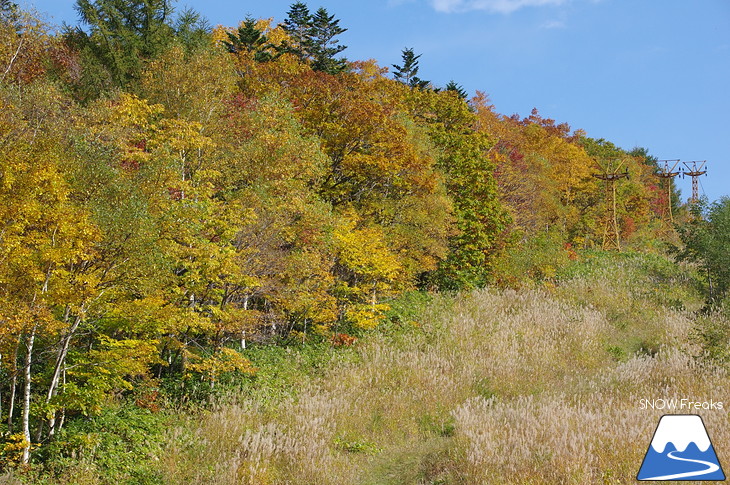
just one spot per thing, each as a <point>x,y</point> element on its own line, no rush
<point>298,25</point>
<point>124,34</point>
<point>408,72</point>
<point>313,38</point>
<point>324,46</point>
<point>250,39</point>
<point>459,90</point>
<point>192,30</point>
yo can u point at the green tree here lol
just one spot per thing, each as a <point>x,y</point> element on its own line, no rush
<point>324,29</point>
<point>458,89</point>
<point>298,24</point>
<point>481,219</point>
<point>124,34</point>
<point>192,30</point>
<point>251,40</point>
<point>408,72</point>
<point>312,38</point>
<point>706,242</point>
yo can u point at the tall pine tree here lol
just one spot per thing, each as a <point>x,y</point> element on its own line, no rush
<point>313,38</point>
<point>408,72</point>
<point>192,30</point>
<point>323,31</point>
<point>250,39</point>
<point>458,89</point>
<point>124,34</point>
<point>297,24</point>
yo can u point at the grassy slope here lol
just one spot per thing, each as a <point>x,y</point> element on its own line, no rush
<point>535,386</point>
<point>532,386</point>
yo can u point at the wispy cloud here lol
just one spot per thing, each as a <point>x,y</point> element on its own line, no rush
<point>554,24</point>
<point>495,6</point>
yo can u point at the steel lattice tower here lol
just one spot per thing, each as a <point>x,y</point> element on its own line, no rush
<point>695,171</point>
<point>667,174</point>
<point>611,174</point>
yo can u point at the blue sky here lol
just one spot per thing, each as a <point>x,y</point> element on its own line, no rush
<point>650,73</point>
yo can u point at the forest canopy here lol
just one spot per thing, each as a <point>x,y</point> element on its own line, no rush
<point>171,192</point>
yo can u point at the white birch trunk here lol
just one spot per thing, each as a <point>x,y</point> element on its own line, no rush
<point>26,395</point>
<point>60,363</point>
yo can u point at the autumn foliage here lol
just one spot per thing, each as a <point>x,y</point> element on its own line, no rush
<point>157,217</point>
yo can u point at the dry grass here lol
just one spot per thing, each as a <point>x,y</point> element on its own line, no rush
<point>537,386</point>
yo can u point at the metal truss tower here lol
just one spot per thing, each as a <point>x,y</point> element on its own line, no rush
<point>667,174</point>
<point>694,171</point>
<point>611,175</point>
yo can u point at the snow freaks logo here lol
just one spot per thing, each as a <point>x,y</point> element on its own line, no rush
<point>680,450</point>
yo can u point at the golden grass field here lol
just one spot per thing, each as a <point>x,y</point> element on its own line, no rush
<point>536,386</point>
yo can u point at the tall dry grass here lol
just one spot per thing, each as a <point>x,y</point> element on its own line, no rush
<point>533,386</point>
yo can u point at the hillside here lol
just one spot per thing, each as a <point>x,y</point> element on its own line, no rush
<point>540,385</point>
<point>232,254</point>
<point>531,386</point>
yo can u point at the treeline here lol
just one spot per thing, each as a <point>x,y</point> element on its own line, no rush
<point>171,191</point>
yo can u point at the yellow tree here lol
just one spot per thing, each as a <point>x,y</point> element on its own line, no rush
<point>381,165</point>
<point>272,170</point>
<point>47,240</point>
<point>24,44</point>
<point>368,272</point>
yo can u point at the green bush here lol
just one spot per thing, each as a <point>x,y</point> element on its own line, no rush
<point>706,238</point>
<point>538,258</point>
<point>122,446</point>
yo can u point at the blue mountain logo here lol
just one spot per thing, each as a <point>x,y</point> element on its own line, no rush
<point>680,450</point>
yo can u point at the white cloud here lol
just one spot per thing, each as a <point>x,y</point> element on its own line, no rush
<point>495,6</point>
<point>554,24</point>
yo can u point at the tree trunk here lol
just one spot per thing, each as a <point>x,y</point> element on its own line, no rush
<point>26,395</point>
<point>13,388</point>
<point>60,363</point>
<point>243,332</point>
<point>164,352</point>
<point>709,282</point>
<point>63,410</point>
